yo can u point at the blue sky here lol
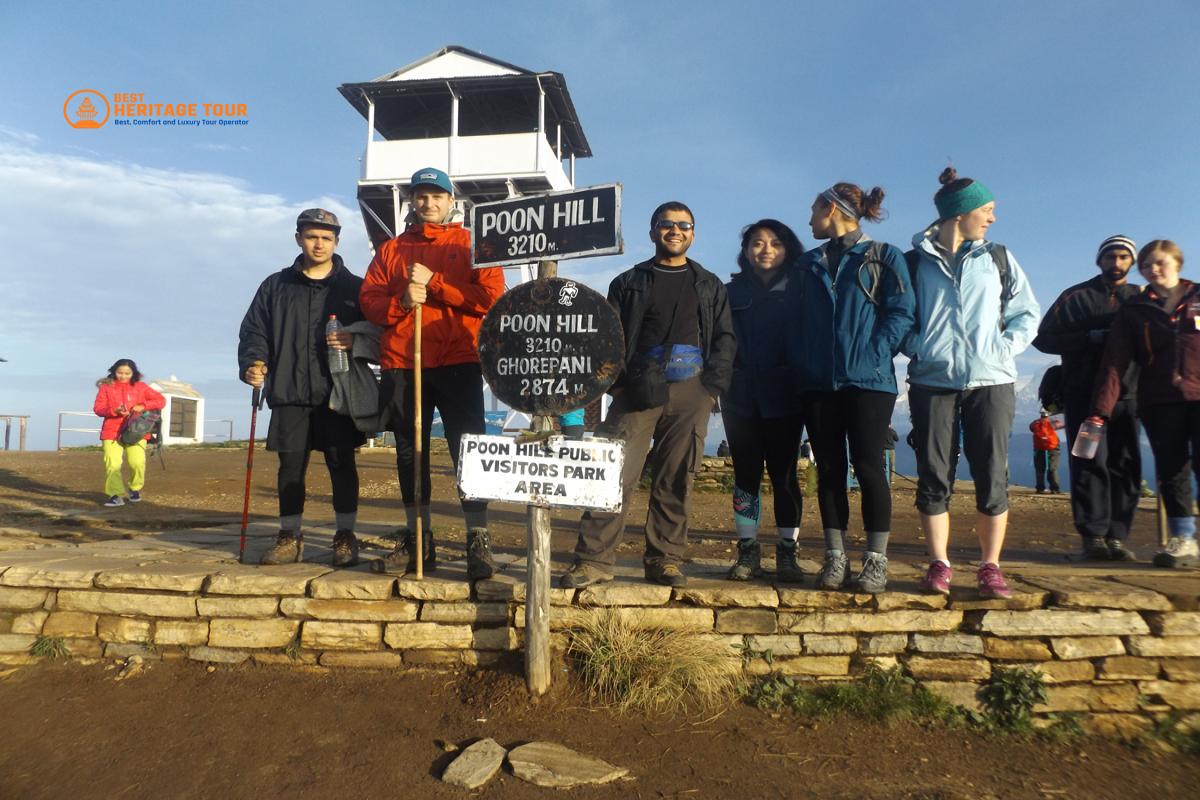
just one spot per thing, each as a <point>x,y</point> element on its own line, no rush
<point>1080,116</point>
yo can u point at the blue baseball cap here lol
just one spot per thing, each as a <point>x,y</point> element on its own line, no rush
<point>432,176</point>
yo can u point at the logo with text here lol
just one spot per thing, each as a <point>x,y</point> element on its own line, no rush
<point>82,109</point>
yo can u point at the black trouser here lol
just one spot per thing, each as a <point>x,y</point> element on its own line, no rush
<point>1105,489</point>
<point>860,417</point>
<point>1174,433</point>
<point>985,416</point>
<point>1045,468</point>
<point>754,441</point>
<point>343,475</point>
<point>457,393</point>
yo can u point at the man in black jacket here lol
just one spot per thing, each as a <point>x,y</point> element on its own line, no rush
<point>1105,489</point>
<point>679,345</point>
<point>282,343</point>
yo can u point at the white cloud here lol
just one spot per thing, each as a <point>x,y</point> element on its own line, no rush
<point>110,260</point>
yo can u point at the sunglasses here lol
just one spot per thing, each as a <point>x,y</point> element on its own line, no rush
<point>667,224</point>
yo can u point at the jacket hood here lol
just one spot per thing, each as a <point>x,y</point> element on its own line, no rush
<point>338,266</point>
<point>1150,297</point>
<point>456,217</point>
<point>923,241</point>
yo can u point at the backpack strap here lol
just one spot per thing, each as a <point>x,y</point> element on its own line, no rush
<point>872,264</point>
<point>999,255</point>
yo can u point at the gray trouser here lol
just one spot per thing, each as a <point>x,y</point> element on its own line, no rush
<point>678,431</point>
<point>987,416</point>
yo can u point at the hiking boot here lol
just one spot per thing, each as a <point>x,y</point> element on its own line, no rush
<point>992,585</point>
<point>749,561</point>
<point>114,502</point>
<point>937,579</point>
<point>480,564</point>
<point>1179,553</point>
<point>1117,551</point>
<point>873,578</point>
<point>581,574</point>
<point>403,559</point>
<point>786,568</point>
<point>288,549</point>
<point>1094,549</point>
<point>666,573</point>
<point>345,549</point>
<point>835,571</point>
<point>135,497</point>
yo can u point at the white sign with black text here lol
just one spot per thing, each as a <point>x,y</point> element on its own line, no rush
<point>555,472</point>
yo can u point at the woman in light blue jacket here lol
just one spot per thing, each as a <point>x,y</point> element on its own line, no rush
<point>975,314</point>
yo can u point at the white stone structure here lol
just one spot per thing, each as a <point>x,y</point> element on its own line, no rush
<point>183,416</point>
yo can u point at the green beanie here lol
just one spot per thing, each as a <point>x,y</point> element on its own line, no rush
<point>966,199</point>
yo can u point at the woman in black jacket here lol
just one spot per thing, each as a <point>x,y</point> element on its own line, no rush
<point>761,411</point>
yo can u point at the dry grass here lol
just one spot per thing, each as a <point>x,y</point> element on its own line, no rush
<point>628,668</point>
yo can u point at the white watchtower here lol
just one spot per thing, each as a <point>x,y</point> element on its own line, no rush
<point>498,130</point>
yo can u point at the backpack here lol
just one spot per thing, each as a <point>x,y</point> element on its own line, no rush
<point>999,254</point>
<point>136,426</point>
<point>1045,437</point>
<point>1050,390</point>
<point>874,265</point>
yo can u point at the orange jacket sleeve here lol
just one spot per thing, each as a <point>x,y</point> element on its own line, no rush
<point>475,297</point>
<point>383,287</point>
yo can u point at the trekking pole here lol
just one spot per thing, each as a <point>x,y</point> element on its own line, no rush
<point>1163,536</point>
<point>255,401</point>
<point>418,411</point>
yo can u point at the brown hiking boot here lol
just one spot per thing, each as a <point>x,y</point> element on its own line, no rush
<point>480,564</point>
<point>583,573</point>
<point>786,568</point>
<point>345,549</point>
<point>404,558</point>
<point>288,549</point>
<point>666,573</point>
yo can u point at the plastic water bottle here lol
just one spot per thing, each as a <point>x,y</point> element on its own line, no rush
<point>1087,441</point>
<point>339,361</point>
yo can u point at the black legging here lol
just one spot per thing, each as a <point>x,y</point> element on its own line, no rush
<point>754,441</point>
<point>1174,433</point>
<point>343,475</point>
<point>860,417</point>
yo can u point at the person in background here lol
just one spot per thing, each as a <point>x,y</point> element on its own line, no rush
<point>855,307</point>
<point>118,395</point>
<point>761,412</point>
<point>1159,330</point>
<point>1045,451</point>
<point>1104,489</point>
<point>975,314</point>
<point>282,344</point>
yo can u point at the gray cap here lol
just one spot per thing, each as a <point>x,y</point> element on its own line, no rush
<point>318,217</point>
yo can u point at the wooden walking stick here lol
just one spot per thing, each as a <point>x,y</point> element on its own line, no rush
<point>418,468</point>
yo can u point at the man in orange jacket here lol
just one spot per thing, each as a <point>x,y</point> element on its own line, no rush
<point>430,265</point>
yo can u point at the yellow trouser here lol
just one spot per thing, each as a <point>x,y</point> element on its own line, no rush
<point>135,454</point>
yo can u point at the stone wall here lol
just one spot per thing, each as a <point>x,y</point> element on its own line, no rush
<point>1121,654</point>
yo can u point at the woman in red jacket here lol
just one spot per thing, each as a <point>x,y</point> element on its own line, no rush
<point>120,394</point>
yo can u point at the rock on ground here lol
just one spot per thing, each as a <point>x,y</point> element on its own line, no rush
<point>549,764</point>
<point>476,765</point>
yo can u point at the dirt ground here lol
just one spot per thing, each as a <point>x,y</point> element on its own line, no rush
<point>180,730</point>
<point>203,486</point>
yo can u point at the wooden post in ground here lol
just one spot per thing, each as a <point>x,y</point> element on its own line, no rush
<point>537,580</point>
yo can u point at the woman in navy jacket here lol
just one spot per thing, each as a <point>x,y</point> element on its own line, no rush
<point>761,412</point>
<point>856,305</point>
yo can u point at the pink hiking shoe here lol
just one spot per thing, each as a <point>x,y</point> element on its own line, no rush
<point>991,583</point>
<point>937,579</point>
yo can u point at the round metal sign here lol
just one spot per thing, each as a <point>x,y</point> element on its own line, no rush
<point>550,346</point>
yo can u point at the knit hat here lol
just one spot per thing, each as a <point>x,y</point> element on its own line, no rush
<point>963,201</point>
<point>1117,242</point>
